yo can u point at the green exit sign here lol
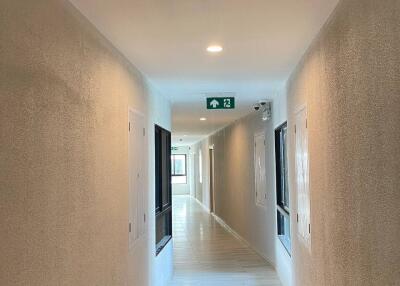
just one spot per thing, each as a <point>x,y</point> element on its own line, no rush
<point>220,102</point>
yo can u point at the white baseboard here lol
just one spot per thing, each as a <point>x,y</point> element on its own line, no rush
<point>230,230</point>
<point>239,237</point>
<point>202,205</point>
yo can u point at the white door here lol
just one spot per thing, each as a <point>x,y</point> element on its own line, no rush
<point>302,177</point>
<point>259,169</point>
<point>137,215</point>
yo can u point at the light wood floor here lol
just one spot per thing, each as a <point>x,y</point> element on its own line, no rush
<point>206,254</point>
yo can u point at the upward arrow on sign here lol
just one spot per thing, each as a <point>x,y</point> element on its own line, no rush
<point>220,102</point>
<point>214,103</point>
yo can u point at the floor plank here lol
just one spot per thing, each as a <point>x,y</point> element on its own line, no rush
<point>206,254</point>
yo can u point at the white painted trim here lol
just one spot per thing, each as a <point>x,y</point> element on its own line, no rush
<point>202,205</point>
<point>230,230</point>
<point>279,125</point>
<point>137,112</point>
<point>240,238</point>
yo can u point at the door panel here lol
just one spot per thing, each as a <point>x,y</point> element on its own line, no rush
<point>136,146</point>
<point>259,169</point>
<point>302,177</point>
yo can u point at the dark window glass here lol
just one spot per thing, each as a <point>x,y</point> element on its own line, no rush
<point>163,206</point>
<point>282,186</point>
<point>158,175</point>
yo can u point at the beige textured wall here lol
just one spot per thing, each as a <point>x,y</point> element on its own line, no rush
<point>350,81</point>
<point>234,181</point>
<point>64,97</point>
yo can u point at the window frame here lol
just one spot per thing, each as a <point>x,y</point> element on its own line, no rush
<point>163,188</point>
<point>173,174</point>
<point>282,186</point>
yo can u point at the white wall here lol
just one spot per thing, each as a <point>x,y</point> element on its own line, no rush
<point>161,266</point>
<point>183,189</point>
<point>283,261</point>
<point>145,268</point>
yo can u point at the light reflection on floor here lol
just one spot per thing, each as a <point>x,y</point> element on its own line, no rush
<point>206,254</point>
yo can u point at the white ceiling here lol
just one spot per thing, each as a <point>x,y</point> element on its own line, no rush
<point>263,40</point>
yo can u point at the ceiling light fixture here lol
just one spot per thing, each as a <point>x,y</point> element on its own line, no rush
<point>214,49</point>
<point>203,119</point>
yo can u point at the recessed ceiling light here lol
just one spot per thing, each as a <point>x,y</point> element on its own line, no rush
<point>214,49</point>
<point>203,119</point>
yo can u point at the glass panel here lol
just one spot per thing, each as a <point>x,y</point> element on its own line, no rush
<point>166,168</point>
<point>163,166</point>
<point>282,187</point>
<point>285,186</point>
<point>284,231</point>
<point>158,174</point>
<point>178,165</point>
<point>163,229</point>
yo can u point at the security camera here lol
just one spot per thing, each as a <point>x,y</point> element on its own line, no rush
<point>262,102</point>
<point>256,107</point>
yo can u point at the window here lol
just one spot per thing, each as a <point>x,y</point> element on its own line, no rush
<point>178,169</point>
<point>163,196</point>
<point>282,186</point>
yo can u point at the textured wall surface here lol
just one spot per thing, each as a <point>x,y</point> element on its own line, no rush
<point>350,81</point>
<point>64,97</point>
<point>234,181</point>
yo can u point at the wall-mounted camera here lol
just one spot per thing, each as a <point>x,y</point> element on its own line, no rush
<point>256,107</point>
<point>265,107</point>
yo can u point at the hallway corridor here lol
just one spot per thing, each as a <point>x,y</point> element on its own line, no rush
<point>122,121</point>
<point>207,254</point>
